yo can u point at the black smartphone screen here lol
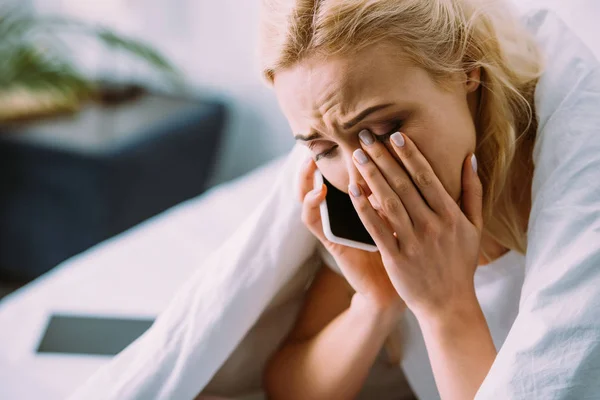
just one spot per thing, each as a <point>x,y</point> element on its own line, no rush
<point>343,218</point>
<point>90,334</point>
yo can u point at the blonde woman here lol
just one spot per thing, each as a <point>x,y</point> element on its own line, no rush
<point>424,112</point>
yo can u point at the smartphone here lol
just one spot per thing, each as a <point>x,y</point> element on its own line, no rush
<point>341,223</point>
<point>91,335</point>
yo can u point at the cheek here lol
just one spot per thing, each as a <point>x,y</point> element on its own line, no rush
<point>336,172</point>
<point>445,146</point>
<point>448,167</point>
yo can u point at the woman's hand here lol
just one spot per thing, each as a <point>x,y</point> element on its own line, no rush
<point>363,270</point>
<point>429,246</point>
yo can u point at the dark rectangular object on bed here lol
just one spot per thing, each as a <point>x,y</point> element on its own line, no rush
<point>71,182</point>
<point>91,335</point>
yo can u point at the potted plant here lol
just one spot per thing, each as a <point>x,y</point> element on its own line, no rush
<point>37,78</point>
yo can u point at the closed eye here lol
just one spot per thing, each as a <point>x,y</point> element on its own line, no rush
<point>327,153</point>
<point>330,153</point>
<point>385,136</point>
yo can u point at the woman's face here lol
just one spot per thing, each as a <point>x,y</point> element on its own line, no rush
<point>328,102</point>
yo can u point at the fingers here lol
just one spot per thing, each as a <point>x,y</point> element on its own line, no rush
<point>472,193</point>
<point>311,213</point>
<point>306,178</point>
<point>422,175</point>
<point>385,170</point>
<point>377,228</point>
<point>311,199</point>
<point>377,207</point>
<point>389,202</point>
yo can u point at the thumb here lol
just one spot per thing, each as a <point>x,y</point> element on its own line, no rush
<point>472,193</point>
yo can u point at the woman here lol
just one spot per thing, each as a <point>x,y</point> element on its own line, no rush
<point>424,112</point>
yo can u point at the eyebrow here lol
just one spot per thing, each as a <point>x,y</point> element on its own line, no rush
<point>345,125</point>
<point>309,137</point>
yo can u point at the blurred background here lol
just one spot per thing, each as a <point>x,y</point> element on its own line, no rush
<point>218,112</point>
<point>135,136</point>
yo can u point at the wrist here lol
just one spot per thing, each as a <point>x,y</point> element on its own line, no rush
<point>454,318</point>
<point>384,317</point>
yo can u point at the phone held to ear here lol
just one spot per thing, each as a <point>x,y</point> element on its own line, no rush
<point>341,223</point>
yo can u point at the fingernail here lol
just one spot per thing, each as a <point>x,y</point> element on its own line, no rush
<point>474,163</point>
<point>398,139</point>
<point>317,191</point>
<point>354,190</point>
<point>366,137</point>
<point>360,156</point>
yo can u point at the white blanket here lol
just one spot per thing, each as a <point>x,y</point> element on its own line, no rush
<point>553,349</point>
<point>219,304</point>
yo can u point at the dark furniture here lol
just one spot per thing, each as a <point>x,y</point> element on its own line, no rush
<point>71,182</point>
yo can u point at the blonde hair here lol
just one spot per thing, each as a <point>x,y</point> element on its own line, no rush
<point>443,37</point>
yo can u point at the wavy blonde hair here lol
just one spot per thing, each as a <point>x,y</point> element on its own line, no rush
<point>443,37</point>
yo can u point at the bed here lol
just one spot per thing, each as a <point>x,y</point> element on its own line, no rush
<point>134,274</point>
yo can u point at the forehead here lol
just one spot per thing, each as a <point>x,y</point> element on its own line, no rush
<point>343,84</point>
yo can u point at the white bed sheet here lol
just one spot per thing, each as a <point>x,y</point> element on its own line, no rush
<point>134,274</point>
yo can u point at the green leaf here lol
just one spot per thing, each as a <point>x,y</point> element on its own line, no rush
<point>38,71</point>
<point>24,62</point>
<point>13,24</point>
<point>142,51</point>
